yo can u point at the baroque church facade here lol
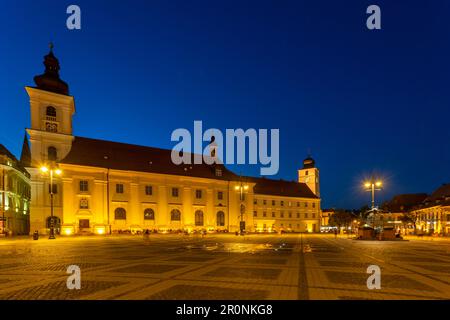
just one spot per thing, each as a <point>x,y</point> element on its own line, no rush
<point>108,187</point>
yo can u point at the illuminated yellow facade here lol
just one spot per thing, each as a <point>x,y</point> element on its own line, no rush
<point>109,187</point>
<point>433,219</point>
<point>14,195</point>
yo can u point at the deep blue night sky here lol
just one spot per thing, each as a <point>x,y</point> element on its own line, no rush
<point>362,101</point>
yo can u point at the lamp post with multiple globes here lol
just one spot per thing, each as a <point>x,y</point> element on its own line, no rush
<point>52,170</point>
<point>373,185</point>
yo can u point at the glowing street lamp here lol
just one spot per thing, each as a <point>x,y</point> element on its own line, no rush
<point>52,171</point>
<point>372,186</point>
<point>241,188</point>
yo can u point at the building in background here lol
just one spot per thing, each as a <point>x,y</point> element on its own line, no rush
<point>116,187</point>
<point>15,195</point>
<point>393,212</point>
<point>325,215</point>
<point>433,214</point>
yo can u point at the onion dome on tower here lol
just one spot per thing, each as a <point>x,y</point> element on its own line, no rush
<point>50,81</point>
<point>309,163</point>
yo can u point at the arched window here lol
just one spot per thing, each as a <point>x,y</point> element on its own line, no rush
<point>199,218</point>
<point>175,215</point>
<point>52,153</point>
<point>51,112</point>
<point>120,214</point>
<point>220,219</point>
<point>149,214</point>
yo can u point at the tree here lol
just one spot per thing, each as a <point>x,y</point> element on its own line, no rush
<point>341,218</point>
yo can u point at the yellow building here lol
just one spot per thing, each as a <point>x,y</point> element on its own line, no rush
<point>115,187</point>
<point>14,195</point>
<point>325,215</point>
<point>433,215</point>
<point>393,211</point>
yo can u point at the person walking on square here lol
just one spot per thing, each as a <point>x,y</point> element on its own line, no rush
<point>335,233</point>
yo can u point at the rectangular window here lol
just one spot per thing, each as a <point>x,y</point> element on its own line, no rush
<point>198,194</point>
<point>298,204</point>
<point>264,214</point>
<point>148,190</point>
<point>281,203</point>
<point>290,214</point>
<point>255,201</point>
<point>264,202</point>
<point>306,172</point>
<point>273,202</point>
<point>255,214</point>
<point>306,215</point>
<point>314,215</point>
<point>281,214</point>
<point>306,204</point>
<point>314,204</point>
<point>298,214</point>
<point>84,187</point>
<point>53,189</point>
<point>220,195</point>
<point>119,188</point>
<point>273,214</point>
<point>175,192</point>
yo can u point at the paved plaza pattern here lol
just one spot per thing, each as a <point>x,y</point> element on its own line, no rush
<point>223,266</point>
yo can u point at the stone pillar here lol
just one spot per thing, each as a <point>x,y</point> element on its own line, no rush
<point>209,220</point>
<point>187,216</point>
<point>134,207</point>
<point>68,211</point>
<point>162,217</point>
<point>99,203</point>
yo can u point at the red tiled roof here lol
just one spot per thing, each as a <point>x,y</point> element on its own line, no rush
<point>281,188</point>
<point>440,193</point>
<point>404,202</point>
<point>129,157</point>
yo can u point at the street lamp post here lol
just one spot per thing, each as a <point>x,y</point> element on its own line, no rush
<point>52,170</point>
<point>373,186</point>
<point>241,188</point>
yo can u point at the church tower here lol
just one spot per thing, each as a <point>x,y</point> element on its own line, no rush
<point>309,174</point>
<point>50,137</point>
<point>51,109</point>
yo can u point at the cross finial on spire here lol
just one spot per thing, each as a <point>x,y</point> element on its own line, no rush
<point>50,45</point>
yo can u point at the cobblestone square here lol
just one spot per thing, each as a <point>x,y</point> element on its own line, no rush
<point>221,266</point>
